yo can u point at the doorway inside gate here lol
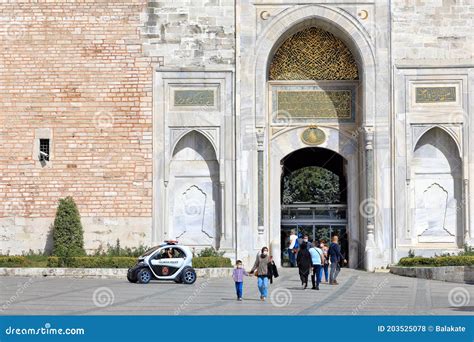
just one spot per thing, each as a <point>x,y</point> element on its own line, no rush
<point>313,198</point>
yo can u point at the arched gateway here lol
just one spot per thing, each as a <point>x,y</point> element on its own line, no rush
<point>317,79</point>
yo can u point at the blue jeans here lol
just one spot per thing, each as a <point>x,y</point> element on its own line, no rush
<point>316,274</point>
<point>239,287</point>
<point>263,285</point>
<point>325,269</point>
<point>292,257</point>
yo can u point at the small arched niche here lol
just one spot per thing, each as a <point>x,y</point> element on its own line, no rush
<point>437,175</point>
<point>194,191</point>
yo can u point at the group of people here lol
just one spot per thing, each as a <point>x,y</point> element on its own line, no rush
<point>318,258</point>
<point>314,258</point>
<point>264,269</point>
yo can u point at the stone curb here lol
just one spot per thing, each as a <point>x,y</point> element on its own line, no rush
<point>99,273</point>
<point>452,274</point>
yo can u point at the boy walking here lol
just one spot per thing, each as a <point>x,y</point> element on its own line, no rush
<point>238,276</point>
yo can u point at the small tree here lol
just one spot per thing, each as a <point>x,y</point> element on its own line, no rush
<point>68,235</point>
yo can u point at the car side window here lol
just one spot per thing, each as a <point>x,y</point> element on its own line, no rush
<point>179,253</point>
<point>161,255</point>
<point>171,252</point>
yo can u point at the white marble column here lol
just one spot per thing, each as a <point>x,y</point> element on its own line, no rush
<point>368,207</point>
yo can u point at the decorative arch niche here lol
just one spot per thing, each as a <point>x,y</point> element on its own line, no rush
<point>437,183</point>
<point>194,201</point>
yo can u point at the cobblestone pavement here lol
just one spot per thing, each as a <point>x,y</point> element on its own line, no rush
<point>359,293</point>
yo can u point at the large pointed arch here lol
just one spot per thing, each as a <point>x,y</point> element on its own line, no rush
<point>335,21</point>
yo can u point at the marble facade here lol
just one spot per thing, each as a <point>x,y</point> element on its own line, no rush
<point>405,145</point>
<point>210,126</point>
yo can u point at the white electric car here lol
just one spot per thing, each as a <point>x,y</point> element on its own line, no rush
<point>169,261</point>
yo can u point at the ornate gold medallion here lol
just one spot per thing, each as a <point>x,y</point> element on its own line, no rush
<point>313,136</point>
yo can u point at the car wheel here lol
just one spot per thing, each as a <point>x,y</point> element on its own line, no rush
<point>131,276</point>
<point>188,276</point>
<point>144,276</point>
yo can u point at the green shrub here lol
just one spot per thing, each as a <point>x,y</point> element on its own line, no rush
<point>468,250</point>
<point>212,261</point>
<point>117,250</point>
<point>92,262</point>
<point>13,261</point>
<point>210,252</point>
<point>438,261</point>
<point>68,235</point>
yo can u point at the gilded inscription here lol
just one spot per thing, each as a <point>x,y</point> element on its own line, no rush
<point>198,98</point>
<point>323,104</point>
<point>313,54</point>
<point>435,94</point>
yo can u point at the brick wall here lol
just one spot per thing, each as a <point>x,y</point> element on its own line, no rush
<point>77,68</point>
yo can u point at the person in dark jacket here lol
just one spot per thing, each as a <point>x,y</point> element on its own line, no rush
<point>336,257</point>
<point>303,260</point>
<point>272,270</point>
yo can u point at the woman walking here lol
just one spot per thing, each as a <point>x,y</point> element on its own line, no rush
<point>303,261</point>
<point>261,265</point>
<point>325,267</point>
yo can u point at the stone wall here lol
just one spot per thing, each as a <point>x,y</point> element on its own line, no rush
<point>75,71</point>
<point>433,29</point>
<point>191,33</point>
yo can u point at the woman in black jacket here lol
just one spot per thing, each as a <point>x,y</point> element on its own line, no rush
<point>303,260</point>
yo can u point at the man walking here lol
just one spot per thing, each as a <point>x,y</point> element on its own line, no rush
<point>292,248</point>
<point>317,260</point>
<point>336,257</point>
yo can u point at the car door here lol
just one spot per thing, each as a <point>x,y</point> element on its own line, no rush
<point>165,264</point>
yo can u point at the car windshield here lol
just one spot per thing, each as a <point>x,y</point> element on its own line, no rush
<point>151,250</point>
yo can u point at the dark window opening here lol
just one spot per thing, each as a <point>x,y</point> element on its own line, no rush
<point>44,150</point>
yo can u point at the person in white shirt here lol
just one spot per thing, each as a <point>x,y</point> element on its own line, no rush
<point>292,248</point>
<point>317,259</point>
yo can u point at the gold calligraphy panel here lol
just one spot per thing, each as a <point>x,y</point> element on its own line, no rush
<point>315,104</point>
<point>435,94</point>
<point>313,54</point>
<point>194,98</point>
